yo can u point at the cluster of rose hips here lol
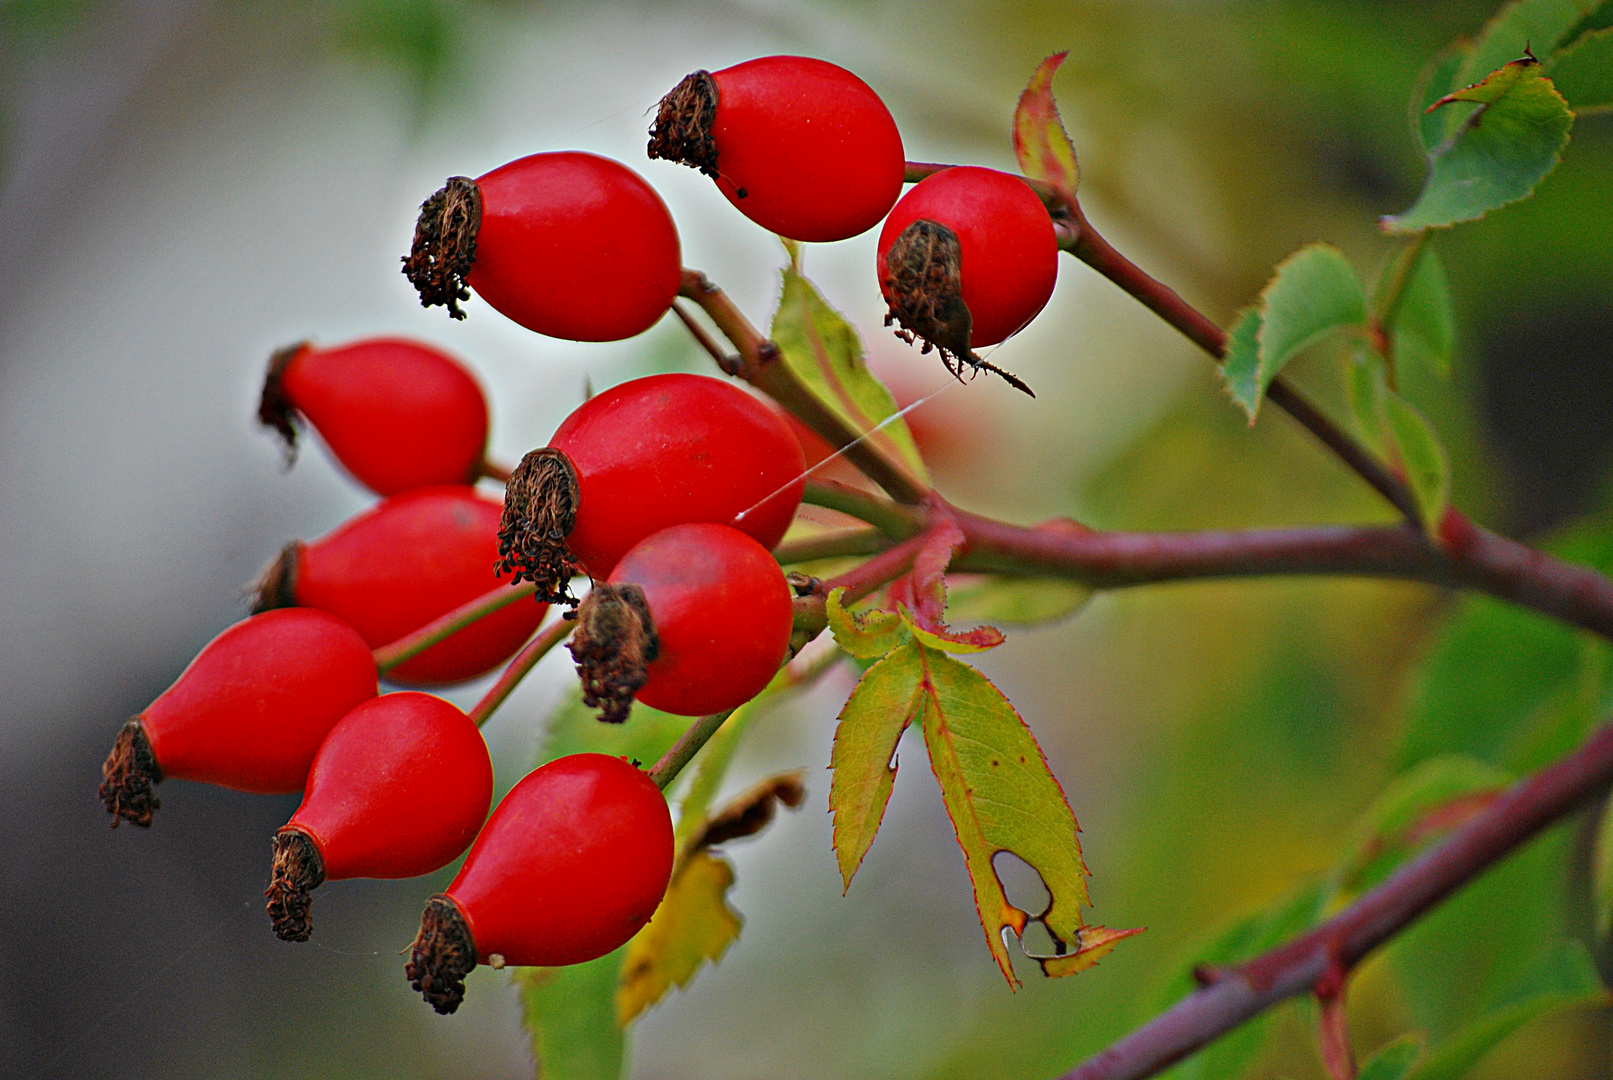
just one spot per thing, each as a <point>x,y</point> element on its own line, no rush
<point>667,492</point>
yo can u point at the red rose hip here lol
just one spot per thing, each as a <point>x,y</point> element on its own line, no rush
<point>694,620</point>
<point>568,244</point>
<point>396,414</point>
<point>802,147</point>
<point>649,453</point>
<point>248,713</point>
<point>965,259</point>
<point>572,864</point>
<point>401,564</point>
<point>399,788</point>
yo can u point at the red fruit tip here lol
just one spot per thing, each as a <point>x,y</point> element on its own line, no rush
<point>613,645</point>
<point>297,870</point>
<point>275,407</point>
<point>445,245</point>
<point>127,776</point>
<point>682,128</point>
<point>923,284</point>
<point>277,587</point>
<point>443,954</point>
<point>540,510</point>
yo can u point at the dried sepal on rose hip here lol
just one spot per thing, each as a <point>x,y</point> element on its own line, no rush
<point>399,788</point>
<point>248,713</point>
<point>966,259</point>
<point>694,620</point>
<point>396,414</point>
<point>397,566</point>
<point>567,244</point>
<point>802,147</point>
<point>573,863</point>
<point>647,454</point>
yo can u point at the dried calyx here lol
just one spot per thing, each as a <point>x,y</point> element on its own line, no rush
<point>275,409</point>
<point>445,245</point>
<point>540,510</point>
<point>277,587</point>
<point>127,776</point>
<point>613,645</point>
<point>443,955</point>
<point>682,128</point>
<point>297,870</point>
<point>923,282</point>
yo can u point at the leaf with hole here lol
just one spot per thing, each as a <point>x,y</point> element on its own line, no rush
<point>1041,145</point>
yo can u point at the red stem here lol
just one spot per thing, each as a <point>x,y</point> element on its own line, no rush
<point>524,661</point>
<point>409,646</point>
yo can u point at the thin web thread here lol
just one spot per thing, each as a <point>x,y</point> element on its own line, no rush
<point>865,436</point>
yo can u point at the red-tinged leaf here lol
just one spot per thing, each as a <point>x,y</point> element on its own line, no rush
<point>929,583</point>
<point>1092,944</point>
<point>868,635</point>
<point>946,639</point>
<point>1041,144</point>
<point>864,757</point>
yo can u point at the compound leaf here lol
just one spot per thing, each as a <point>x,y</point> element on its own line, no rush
<point>1041,145</point>
<point>694,924</point>
<point>1498,151</point>
<point>823,350</point>
<point>863,762</point>
<point>1583,73</point>
<point>570,1015</point>
<point>866,635</point>
<point>1422,457</point>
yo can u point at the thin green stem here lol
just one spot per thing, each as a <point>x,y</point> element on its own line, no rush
<point>832,545</point>
<point>666,770</point>
<point>894,520</point>
<point>408,647</point>
<point>524,661</point>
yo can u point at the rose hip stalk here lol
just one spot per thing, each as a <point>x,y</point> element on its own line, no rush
<point>248,713</point>
<point>399,788</point>
<point>568,244</point>
<point>571,865</point>
<point>650,453</point>
<point>802,147</point>
<point>396,414</point>
<point>694,620</point>
<point>398,566</point>
<point>967,258</point>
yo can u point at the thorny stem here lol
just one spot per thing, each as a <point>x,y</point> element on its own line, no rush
<point>759,364</point>
<point>524,661</point>
<point>408,647</point>
<point>1239,994</point>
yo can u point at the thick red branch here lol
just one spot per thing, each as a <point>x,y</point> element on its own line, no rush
<point>1239,994</point>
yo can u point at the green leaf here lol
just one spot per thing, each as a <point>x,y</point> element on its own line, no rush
<point>1602,872</point>
<point>824,351</point>
<point>694,924</point>
<point>570,1015</point>
<point>866,635</point>
<point>1436,80</point>
<point>1001,796</point>
<point>863,761</point>
<point>1015,601</point>
<point>1314,291</point>
<point>1422,457</point>
<point>1583,73</point>
<point>574,729</point>
<point>1497,153</point>
<point>1520,27</point>
<point>1367,388</point>
<point>1430,798</point>
<point>1422,326</point>
<point>1394,1060</point>
<point>1563,978</point>
<point>1241,370</point>
<point>1041,145</point>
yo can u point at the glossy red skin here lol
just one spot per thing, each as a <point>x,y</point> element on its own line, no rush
<point>251,710</point>
<point>409,560</point>
<point>1009,253</point>
<point>571,865</point>
<point>396,414</point>
<point>399,788</point>
<point>671,449</point>
<point>575,246</point>
<point>722,613</point>
<point>814,148</point>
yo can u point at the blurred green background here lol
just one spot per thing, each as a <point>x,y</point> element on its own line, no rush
<point>185,185</point>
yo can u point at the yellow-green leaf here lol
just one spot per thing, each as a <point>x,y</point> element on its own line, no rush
<point>946,639</point>
<point>1519,27</point>
<point>1001,797</point>
<point>1366,387</point>
<point>1041,144</point>
<point>1394,1060</point>
<point>570,1015</point>
<point>1422,457</point>
<point>868,635</point>
<point>863,761</point>
<point>1241,369</point>
<point>1017,601</point>
<point>825,353</point>
<point>574,729</point>
<point>694,924</point>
